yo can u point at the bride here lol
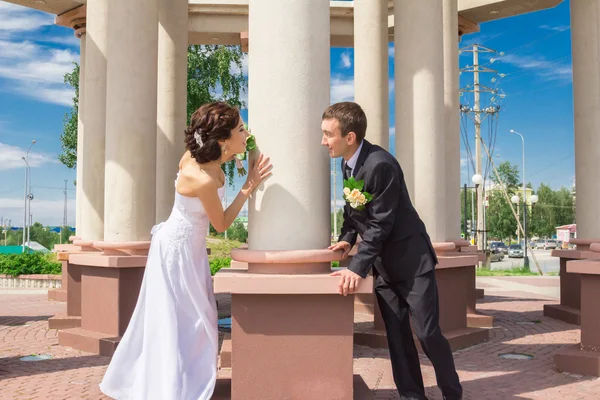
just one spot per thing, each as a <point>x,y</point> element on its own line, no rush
<point>169,350</point>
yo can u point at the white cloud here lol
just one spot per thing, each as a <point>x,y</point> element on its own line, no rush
<point>236,70</point>
<point>559,69</point>
<point>558,28</point>
<point>17,50</point>
<point>11,158</point>
<point>46,212</point>
<point>391,50</point>
<point>345,60</point>
<point>21,19</point>
<point>342,89</point>
<point>67,40</point>
<point>36,71</point>
<point>340,203</point>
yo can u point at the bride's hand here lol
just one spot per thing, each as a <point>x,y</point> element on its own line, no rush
<point>259,171</point>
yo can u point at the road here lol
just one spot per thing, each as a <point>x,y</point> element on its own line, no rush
<point>546,261</point>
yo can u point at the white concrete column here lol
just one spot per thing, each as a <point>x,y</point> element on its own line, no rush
<point>92,164</point>
<point>585,44</point>
<point>80,129</point>
<point>371,76</point>
<point>420,116</point>
<point>172,99</point>
<point>130,173</point>
<point>288,92</point>
<point>452,119</point>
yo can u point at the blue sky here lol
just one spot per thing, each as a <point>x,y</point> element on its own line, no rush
<point>35,54</point>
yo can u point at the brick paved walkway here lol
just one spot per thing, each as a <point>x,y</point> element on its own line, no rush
<point>520,327</point>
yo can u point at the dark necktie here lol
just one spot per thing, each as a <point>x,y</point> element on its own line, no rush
<point>348,171</point>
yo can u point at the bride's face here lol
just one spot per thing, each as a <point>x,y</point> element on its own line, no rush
<point>236,144</point>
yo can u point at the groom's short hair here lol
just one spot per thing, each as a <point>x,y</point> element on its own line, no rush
<point>350,116</point>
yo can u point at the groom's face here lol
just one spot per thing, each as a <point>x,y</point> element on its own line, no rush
<point>337,145</point>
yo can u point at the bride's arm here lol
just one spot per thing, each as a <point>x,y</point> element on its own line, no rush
<point>208,194</point>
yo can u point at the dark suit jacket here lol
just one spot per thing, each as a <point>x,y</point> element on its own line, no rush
<point>394,239</point>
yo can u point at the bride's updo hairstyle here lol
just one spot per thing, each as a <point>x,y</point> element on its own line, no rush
<point>210,124</point>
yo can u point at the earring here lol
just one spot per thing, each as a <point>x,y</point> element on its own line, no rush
<point>223,149</point>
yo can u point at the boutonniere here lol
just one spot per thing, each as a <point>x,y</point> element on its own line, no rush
<point>250,145</point>
<point>354,195</point>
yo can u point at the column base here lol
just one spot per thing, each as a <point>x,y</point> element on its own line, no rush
<point>89,341</point>
<point>363,303</point>
<point>564,313</point>
<point>225,354</point>
<point>57,295</point>
<point>64,321</point>
<point>577,361</point>
<point>479,294</point>
<point>291,336</point>
<point>480,321</point>
<point>458,339</point>
<point>223,389</point>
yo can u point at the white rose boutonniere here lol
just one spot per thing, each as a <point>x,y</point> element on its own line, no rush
<point>354,195</point>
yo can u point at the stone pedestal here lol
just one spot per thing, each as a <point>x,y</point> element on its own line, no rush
<point>453,275</point>
<point>109,290</point>
<point>71,284</point>
<point>569,309</point>
<point>290,326</point>
<point>474,318</point>
<point>60,294</point>
<point>584,358</point>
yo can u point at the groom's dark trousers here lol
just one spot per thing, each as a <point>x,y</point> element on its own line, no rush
<point>418,297</point>
<point>396,245</point>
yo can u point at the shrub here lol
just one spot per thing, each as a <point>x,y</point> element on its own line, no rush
<point>29,264</point>
<point>217,263</point>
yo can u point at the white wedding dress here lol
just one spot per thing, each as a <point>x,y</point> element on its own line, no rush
<point>169,350</point>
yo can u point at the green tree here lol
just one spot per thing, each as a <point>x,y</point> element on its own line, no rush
<point>65,234</point>
<point>509,173</point>
<point>214,73</point>
<point>237,231</point>
<point>500,221</point>
<point>544,221</point>
<point>43,235</point>
<point>554,208</point>
<point>211,78</point>
<point>68,137</point>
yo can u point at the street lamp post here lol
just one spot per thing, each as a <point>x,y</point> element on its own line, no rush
<point>27,193</point>
<point>526,259</point>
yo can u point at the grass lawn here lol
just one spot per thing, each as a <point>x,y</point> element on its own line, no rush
<point>221,248</point>
<point>512,272</point>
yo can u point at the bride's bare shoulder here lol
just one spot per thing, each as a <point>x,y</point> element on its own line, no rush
<point>192,181</point>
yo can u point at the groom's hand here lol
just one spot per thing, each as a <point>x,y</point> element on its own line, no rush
<point>348,281</point>
<point>344,246</point>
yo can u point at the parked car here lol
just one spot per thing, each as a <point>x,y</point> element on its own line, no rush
<point>550,244</point>
<point>515,251</point>
<point>500,246</point>
<point>496,255</point>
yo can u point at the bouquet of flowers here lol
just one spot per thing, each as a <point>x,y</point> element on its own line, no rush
<point>250,145</point>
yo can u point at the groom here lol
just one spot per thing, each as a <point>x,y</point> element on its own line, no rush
<point>396,243</point>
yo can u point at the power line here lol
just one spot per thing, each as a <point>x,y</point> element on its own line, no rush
<point>479,115</point>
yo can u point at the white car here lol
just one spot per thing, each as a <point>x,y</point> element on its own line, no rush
<point>515,251</point>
